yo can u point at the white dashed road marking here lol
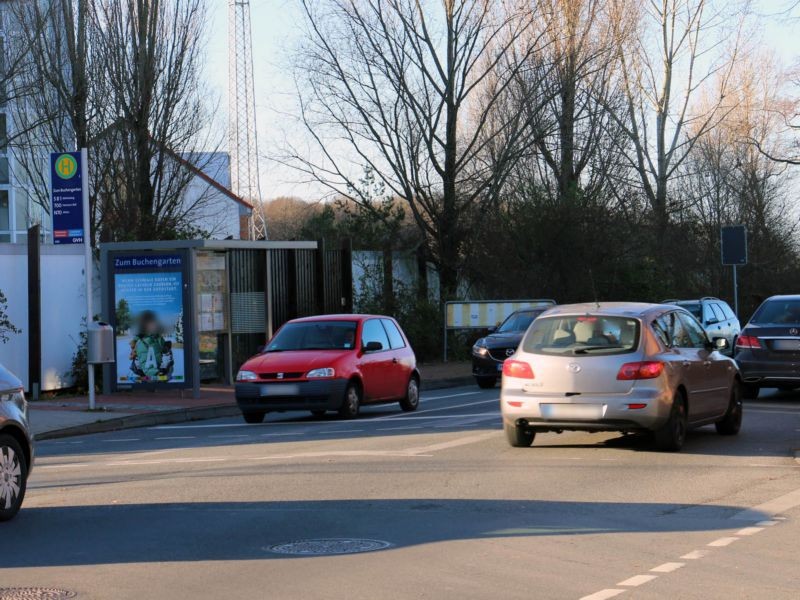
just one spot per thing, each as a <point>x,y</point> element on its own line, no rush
<point>70,466</point>
<point>667,567</point>
<point>637,580</point>
<point>726,541</point>
<point>772,507</point>
<point>603,594</point>
<point>424,399</point>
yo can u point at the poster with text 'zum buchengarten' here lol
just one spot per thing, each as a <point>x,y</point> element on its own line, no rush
<point>149,319</point>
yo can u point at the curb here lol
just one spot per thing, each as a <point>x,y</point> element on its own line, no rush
<point>166,417</point>
<point>184,415</point>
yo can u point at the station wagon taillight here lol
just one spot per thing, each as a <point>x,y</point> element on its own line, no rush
<point>747,341</point>
<point>517,369</point>
<point>649,369</point>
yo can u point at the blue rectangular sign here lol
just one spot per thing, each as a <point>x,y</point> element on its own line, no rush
<point>66,187</point>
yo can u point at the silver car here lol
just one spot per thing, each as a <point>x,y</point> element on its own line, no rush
<point>619,367</point>
<point>16,445</point>
<point>716,317</point>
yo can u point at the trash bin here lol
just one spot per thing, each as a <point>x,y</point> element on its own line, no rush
<point>100,343</point>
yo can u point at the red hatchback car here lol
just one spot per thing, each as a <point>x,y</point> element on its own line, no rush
<point>331,362</point>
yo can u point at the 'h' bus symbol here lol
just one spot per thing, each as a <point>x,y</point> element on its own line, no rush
<point>66,166</point>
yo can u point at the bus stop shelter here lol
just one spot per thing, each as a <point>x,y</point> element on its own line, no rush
<point>192,311</point>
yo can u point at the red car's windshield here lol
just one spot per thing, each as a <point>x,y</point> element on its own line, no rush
<point>314,335</point>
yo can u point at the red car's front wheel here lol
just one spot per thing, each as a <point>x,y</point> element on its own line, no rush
<point>352,401</point>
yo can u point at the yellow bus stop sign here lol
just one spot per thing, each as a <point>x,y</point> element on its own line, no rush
<point>66,166</point>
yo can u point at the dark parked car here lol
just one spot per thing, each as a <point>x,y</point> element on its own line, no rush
<point>331,362</point>
<point>16,445</point>
<point>768,349</point>
<point>489,353</point>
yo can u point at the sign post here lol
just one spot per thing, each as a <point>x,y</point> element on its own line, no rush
<point>733,245</point>
<point>69,185</point>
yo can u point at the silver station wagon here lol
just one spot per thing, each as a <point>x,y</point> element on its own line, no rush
<point>619,367</point>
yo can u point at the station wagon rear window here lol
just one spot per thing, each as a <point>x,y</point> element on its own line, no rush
<point>582,335</point>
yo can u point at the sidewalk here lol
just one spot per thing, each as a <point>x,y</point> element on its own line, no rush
<point>69,416</point>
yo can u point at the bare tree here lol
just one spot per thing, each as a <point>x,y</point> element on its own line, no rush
<point>55,109</point>
<point>394,85</point>
<point>121,77</point>
<point>670,54</point>
<point>151,53</point>
<point>573,75</point>
<point>727,180</point>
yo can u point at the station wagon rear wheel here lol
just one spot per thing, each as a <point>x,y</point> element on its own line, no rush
<point>486,383</point>
<point>254,416</point>
<point>13,477</point>
<point>518,437</point>
<point>750,391</point>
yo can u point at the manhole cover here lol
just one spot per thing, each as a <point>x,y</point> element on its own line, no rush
<point>327,546</point>
<point>36,593</point>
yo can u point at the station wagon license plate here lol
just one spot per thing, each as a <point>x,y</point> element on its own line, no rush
<point>583,412</point>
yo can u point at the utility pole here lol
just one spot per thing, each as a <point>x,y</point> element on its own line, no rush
<point>242,114</point>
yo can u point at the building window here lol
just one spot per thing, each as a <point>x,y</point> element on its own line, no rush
<point>5,217</point>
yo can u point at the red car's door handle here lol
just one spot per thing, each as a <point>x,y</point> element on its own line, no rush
<point>394,360</point>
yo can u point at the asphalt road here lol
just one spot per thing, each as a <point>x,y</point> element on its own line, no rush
<point>205,510</point>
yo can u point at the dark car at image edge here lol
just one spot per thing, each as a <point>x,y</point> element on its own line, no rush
<point>768,349</point>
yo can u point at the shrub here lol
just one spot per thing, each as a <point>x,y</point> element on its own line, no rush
<point>6,326</point>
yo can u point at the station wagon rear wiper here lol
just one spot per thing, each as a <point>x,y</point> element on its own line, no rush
<point>591,348</point>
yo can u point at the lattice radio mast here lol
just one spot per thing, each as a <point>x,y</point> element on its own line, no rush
<point>242,114</point>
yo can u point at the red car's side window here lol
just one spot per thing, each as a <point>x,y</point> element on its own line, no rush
<point>395,337</point>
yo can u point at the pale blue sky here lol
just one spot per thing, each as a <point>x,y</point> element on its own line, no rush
<point>277,30</point>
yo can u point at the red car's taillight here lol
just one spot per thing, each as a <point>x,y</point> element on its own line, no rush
<point>517,369</point>
<point>649,369</point>
<point>747,341</point>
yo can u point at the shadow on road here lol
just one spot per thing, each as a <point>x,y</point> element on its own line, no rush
<point>144,533</point>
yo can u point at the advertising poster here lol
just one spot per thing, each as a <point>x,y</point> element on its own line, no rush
<point>148,296</point>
